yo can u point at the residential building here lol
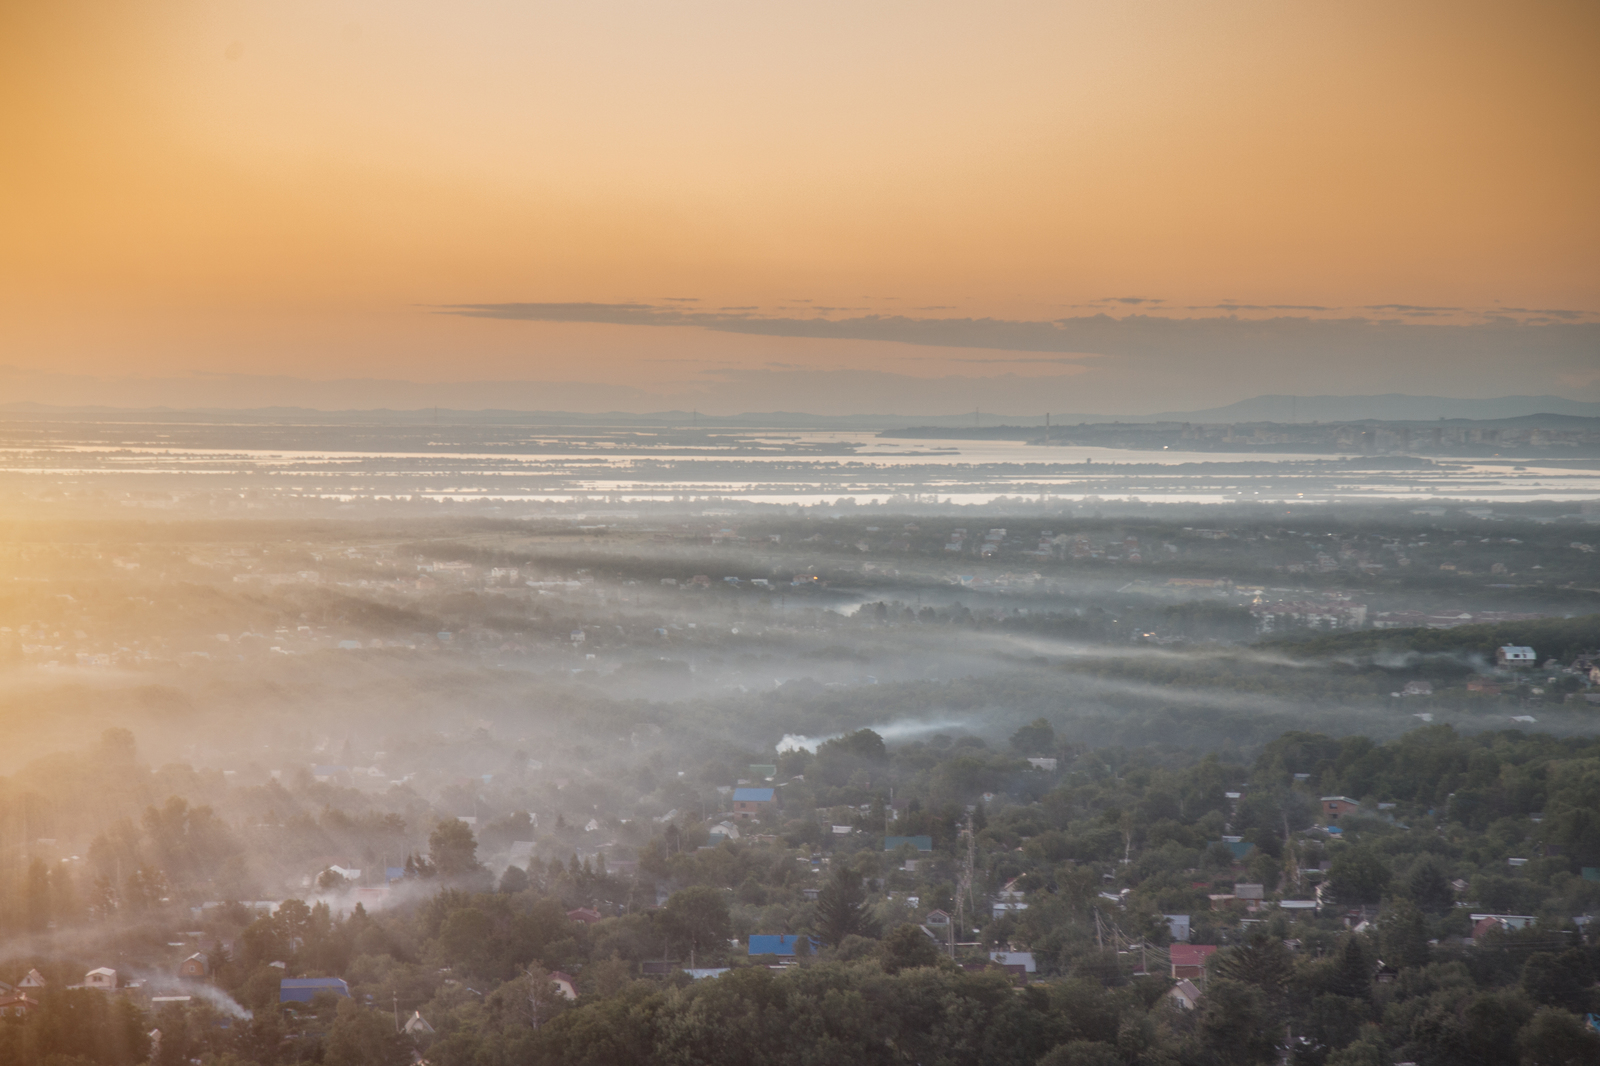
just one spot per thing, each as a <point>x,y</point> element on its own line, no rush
<point>1184,995</point>
<point>304,989</point>
<point>1017,961</point>
<point>17,1005</point>
<point>921,843</point>
<point>1484,923</point>
<point>196,965</point>
<point>1334,806</point>
<point>781,945</point>
<point>1515,655</point>
<point>1189,960</point>
<point>752,802</point>
<point>101,977</point>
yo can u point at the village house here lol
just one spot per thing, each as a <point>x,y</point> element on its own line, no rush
<point>781,945</point>
<point>101,977</point>
<point>1017,962</point>
<point>1184,995</point>
<point>195,965</point>
<point>17,1005</point>
<point>305,989</point>
<point>921,843</point>
<point>1189,960</point>
<point>1334,806</point>
<point>1487,923</point>
<point>565,984</point>
<point>1512,656</point>
<point>752,802</point>
<point>586,915</point>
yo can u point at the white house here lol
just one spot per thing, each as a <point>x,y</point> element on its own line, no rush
<point>1516,655</point>
<point>1184,995</point>
<point>1014,958</point>
<point>103,977</point>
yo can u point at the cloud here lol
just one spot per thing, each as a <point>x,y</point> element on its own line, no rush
<point>1410,309</point>
<point>1230,305</point>
<point>1132,300</point>
<point>1143,355</point>
<point>1553,312</point>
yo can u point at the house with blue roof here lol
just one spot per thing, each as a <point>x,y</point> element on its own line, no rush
<point>921,843</point>
<point>304,989</point>
<point>1241,848</point>
<point>782,946</point>
<point>752,802</point>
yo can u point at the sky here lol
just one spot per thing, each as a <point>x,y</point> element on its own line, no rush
<point>835,207</point>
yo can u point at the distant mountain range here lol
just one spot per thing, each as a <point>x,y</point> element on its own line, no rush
<point>1391,407</point>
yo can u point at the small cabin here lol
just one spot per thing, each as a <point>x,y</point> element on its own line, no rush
<point>196,965</point>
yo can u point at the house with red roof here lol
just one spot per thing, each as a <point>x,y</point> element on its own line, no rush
<point>1189,960</point>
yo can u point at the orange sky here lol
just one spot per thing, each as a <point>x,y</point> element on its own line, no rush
<point>293,188</point>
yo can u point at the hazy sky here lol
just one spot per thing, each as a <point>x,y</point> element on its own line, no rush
<point>1110,206</point>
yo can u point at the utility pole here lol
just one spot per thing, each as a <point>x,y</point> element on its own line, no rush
<point>396,1011</point>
